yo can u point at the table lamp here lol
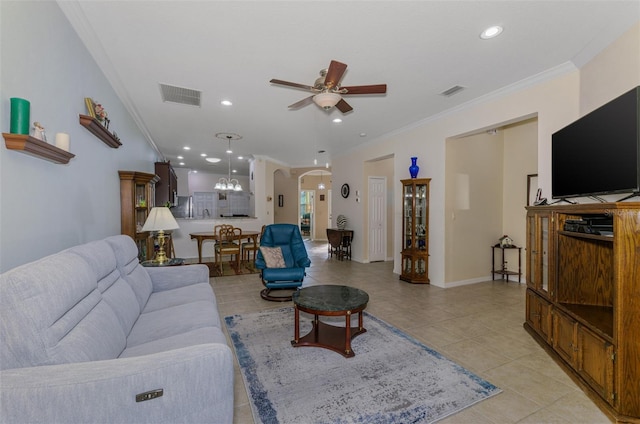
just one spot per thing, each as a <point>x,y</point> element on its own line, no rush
<point>160,219</point>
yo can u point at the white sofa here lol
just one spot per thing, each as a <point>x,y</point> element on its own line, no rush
<point>88,335</point>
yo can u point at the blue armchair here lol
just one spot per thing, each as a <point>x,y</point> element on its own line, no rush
<point>294,259</point>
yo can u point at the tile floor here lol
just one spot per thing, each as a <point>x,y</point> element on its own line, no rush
<point>478,326</point>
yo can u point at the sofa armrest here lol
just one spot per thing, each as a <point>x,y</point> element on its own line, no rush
<point>173,277</point>
<point>197,382</point>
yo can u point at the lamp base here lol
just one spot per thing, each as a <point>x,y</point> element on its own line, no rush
<point>161,256</point>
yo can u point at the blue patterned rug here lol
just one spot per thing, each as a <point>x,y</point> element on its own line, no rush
<point>392,379</point>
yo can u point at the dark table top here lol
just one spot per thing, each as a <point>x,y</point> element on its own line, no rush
<point>330,298</point>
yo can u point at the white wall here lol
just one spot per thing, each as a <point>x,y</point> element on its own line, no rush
<point>554,100</point>
<point>46,207</point>
<point>474,203</point>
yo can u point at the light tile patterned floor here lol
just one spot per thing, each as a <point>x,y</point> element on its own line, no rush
<point>479,326</point>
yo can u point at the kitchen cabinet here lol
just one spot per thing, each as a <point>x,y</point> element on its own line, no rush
<point>167,185</point>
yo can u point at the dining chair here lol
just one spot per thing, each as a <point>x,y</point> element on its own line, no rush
<point>251,246</point>
<point>228,244</point>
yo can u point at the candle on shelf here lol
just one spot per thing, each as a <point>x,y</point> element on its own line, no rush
<point>20,116</point>
<point>62,141</point>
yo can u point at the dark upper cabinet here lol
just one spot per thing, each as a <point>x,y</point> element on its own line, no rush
<point>167,187</point>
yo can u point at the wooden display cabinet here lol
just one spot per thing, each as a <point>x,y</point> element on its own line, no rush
<point>167,185</point>
<point>415,230</point>
<point>589,283</point>
<point>137,197</point>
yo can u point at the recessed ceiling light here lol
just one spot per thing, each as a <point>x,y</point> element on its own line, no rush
<point>187,148</point>
<point>234,171</point>
<point>213,160</point>
<point>182,163</point>
<point>492,31</point>
<point>363,134</point>
<point>337,120</point>
<point>226,103</point>
<point>240,157</point>
<point>195,171</point>
<point>181,157</point>
<point>229,151</point>
<point>204,155</point>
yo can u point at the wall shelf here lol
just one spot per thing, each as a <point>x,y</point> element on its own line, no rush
<point>97,129</point>
<point>38,148</point>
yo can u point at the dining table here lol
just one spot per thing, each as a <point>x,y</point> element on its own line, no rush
<point>202,236</point>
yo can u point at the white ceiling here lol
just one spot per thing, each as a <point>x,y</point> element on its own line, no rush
<point>231,49</point>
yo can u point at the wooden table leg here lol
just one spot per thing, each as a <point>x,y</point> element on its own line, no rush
<point>347,333</point>
<point>199,240</point>
<point>296,331</point>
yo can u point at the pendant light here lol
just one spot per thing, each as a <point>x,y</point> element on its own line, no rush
<point>321,184</point>
<point>228,184</point>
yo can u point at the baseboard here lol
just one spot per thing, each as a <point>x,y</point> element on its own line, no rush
<point>512,279</point>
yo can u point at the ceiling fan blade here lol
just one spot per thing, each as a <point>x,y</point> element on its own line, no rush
<point>343,106</point>
<point>334,74</point>
<point>366,89</point>
<point>291,84</point>
<point>301,103</point>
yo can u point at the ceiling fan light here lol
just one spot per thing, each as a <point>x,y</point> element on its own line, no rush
<point>326,100</point>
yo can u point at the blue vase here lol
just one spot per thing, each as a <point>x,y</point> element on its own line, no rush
<point>414,168</point>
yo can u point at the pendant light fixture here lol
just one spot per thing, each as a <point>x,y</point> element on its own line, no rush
<point>228,184</point>
<point>321,184</point>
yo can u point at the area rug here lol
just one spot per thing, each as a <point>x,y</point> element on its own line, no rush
<point>392,378</point>
<point>228,270</point>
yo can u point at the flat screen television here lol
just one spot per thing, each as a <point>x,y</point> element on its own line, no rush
<point>600,152</point>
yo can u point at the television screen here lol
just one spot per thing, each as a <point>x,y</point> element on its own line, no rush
<point>600,152</point>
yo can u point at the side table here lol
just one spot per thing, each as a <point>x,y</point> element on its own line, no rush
<point>170,262</point>
<point>504,271</point>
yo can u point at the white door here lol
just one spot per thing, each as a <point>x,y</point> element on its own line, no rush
<point>377,219</point>
<point>330,223</point>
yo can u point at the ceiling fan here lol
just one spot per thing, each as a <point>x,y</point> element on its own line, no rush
<point>327,90</point>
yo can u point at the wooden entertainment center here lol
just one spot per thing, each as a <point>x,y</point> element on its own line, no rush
<point>583,299</point>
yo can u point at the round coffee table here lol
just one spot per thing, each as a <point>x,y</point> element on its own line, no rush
<point>329,301</point>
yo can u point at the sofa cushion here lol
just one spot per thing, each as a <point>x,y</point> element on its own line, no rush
<point>171,321</point>
<point>116,292</point>
<point>57,315</point>
<point>126,253</point>
<point>180,296</point>
<point>189,338</point>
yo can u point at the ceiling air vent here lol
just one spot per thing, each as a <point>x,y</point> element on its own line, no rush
<point>453,90</point>
<point>184,96</point>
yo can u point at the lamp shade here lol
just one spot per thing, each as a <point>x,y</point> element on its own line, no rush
<point>160,218</point>
<point>327,100</point>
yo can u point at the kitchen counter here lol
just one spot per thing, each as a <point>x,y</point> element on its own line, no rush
<point>187,248</point>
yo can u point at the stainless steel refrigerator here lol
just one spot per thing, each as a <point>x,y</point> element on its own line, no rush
<point>184,207</point>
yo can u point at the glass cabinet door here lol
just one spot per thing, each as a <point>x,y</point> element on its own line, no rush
<point>421,217</point>
<point>408,217</point>
<point>538,236</point>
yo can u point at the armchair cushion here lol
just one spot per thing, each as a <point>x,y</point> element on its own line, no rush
<point>273,257</point>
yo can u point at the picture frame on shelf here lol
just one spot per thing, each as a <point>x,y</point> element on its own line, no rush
<point>532,189</point>
<point>91,107</point>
